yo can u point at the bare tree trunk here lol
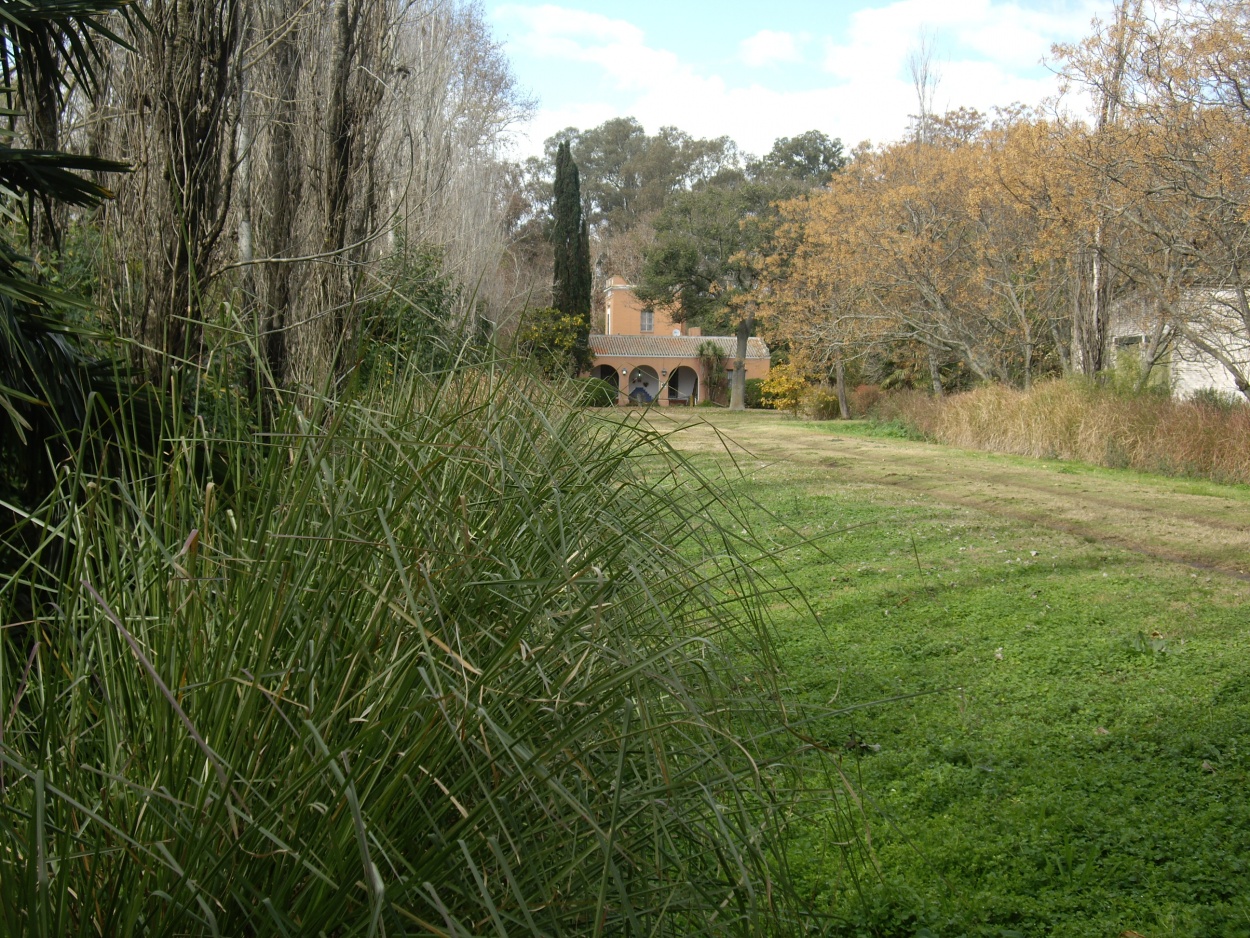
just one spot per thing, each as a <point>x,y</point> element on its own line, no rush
<point>1091,327</point>
<point>935,373</point>
<point>738,387</point>
<point>345,144</point>
<point>1161,340</point>
<point>1062,348</point>
<point>1028,356</point>
<point>844,407</point>
<point>245,231</point>
<point>278,78</point>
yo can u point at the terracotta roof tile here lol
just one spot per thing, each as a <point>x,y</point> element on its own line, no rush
<point>663,346</point>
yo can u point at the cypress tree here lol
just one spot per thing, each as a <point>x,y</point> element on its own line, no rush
<point>582,272</point>
<point>570,288</point>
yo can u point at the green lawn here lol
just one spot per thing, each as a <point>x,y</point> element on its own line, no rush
<point>1077,762</point>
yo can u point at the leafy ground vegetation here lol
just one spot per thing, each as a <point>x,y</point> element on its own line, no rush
<point>1064,735</point>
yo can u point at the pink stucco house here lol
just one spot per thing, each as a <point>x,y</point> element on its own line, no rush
<point>649,358</point>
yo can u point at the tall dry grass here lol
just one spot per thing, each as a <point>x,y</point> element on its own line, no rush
<point>1077,421</point>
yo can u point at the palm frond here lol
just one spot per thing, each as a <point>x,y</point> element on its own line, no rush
<point>62,38</point>
<point>50,174</point>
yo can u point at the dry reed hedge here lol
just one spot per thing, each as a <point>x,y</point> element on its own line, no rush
<point>1074,421</point>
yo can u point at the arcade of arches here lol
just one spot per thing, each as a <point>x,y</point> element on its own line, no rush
<point>642,385</point>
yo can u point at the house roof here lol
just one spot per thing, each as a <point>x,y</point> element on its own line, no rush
<point>665,346</point>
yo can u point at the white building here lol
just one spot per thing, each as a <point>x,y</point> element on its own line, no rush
<point>1204,345</point>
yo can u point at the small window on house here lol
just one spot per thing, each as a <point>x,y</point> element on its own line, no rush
<point>648,320</point>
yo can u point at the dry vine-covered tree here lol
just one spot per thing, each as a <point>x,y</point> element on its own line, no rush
<point>170,111</point>
<point>284,150</point>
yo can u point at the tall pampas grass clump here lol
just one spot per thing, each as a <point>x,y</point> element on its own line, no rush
<point>455,659</point>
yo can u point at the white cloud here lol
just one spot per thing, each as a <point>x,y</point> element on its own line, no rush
<point>880,38</point>
<point>615,46</point>
<point>989,51</point>
<point>768,47</point>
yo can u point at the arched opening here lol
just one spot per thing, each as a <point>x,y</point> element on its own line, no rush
<point>644,384</point>
<point>603,388</point>
<point>608,373</point>
<point>683,386</point>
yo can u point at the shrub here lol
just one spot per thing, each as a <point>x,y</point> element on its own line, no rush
<point>754,395</point>
<point>863,399</point>
<point>411,324</point>
<point>1078,420</point>
<point>1126,376</point>
<point>595,392</point>
<point>552,341</point>
<point>716,377</point>
<point>783,388</point>
<point>444,656</point>
<point>1226,401</point>
<point>820,402</point>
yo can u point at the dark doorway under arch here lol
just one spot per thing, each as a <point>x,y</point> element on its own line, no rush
<point>683,386</point>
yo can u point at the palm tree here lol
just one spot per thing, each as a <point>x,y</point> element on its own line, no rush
<point>47,46</point>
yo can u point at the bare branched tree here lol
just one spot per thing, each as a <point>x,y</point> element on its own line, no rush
<point>172,112</point>
<point>925,77</point>
<point>368,130</point>
<point>455,103</point>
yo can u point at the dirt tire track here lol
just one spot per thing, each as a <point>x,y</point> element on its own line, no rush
<point>1152,515</point>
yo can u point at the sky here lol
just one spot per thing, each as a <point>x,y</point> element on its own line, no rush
<point>756,70</point>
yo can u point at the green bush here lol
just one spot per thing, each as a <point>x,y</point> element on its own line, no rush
<point>411,322</point>
<point>897,430</point>
<point>552,341</point>
<point>595,392</point>
<point>716,376</point>
<point>1226,401</point>
<point>1126,376</point>
<point>753,394</point>
<point>428,662</point>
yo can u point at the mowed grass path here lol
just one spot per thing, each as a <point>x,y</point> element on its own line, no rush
<point>1077,762</point>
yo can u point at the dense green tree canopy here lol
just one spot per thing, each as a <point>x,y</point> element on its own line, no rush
<point>810,158</point>
<point>712,242</point>
<point>709,246</point>
<point>627,173</point>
